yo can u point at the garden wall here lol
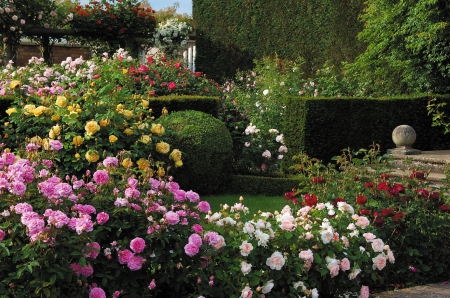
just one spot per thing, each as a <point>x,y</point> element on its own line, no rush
<point>231,34</point>
<point>322,127</point>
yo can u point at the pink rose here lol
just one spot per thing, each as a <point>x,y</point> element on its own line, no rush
<point>125,256</point>
<point>391,257</point>
<point>172,218</point>
<point>354,274</point>
<point>2,235</point>
<point>362,222</point>
<point>102,218</point>
<point>246,293</point>
<point>334,269</point>
<point>152,284</point>
<point>204,207</point>
<point>197,228</point>
<point>135,263</point>
<point>369,237</point>
<point>249,228</point>
<point>246,248</point>
<point>364,292</point>
<point>306,255</point>
<point>287,225</point>
<point>345,264</point>
<point>92,250</point>
<point>220,243</point>
<point>86,270</point>
<point>191,249</point>
<point>137,245</point>
<point>172,85</point>
<point>97,293</point>
<point>246,267</point>
<point>377,245</point>
<point>379,262</point>
<point>276,261</point>
<point>196,240</point>
<point>101,177</point>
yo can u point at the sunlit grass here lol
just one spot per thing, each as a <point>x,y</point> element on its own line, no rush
<point>253,202</point>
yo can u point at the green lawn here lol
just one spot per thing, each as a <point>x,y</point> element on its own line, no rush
<point>253,202</point>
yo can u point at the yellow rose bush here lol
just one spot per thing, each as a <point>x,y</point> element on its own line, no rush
<point>93,108</point>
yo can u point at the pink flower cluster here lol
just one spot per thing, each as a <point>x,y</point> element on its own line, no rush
<point>132,259</point>
<point>87,270</point>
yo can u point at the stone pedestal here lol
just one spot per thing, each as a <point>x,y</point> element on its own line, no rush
<point>403,136</point>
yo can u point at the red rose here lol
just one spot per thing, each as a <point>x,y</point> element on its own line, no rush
<point>423,193</point>
<point>434,196</point>
<point>289,196</point>
<point>379,222</point>
<point>310,199</point>
<point>383,185</point>
<point>385,176</point>
<point>368,185</point>
<point>172,86</point>
<point>361,200</point>
<point>398,216</point>
<point>163,59</point>
<point>444,208</point>
<point>387,212</point>
<point>177,65</point>
<point>197,74</point>
<point>365,212</point>
<point>149,59</point>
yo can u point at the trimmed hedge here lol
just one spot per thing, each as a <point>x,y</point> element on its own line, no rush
<point>231,34</point>
<point>260,185</point>
<point>322,127</point>
<point>205,104</point>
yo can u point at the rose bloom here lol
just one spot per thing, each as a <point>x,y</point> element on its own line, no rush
<point>102,218</point>
<point>135,263</point>
<point>276,261</point>
<point>364,292</point>
<point>345,264</point>
<point>334,269</point>
<point>246,248</point>
<point>92,127</point>
<point>246,293</point>
<point>97,293</point>
<point>361,200</point>
<point>125,256</point>
<point>163,147</point>
<point>92,156</point>
<point>157,129</point>
<point>220,243</point>
<point>204,207</point>
<point>137,245</point>
<point>77,141</point>
<point>101,177</point>
<point>113,139</point>
<point>249,228</point>
<point>377,245</point>
<point>172,218</point>
<point>245,267</point>
<point>363,222</point>
<point>267,287</point>
<point>354,274</point>
<point>191,249</point>
<point>195,239</point>
<point>379,262</point>
<point>369,237</point>
<point>175,155</point>
<point>2,235</point>
<point>171,86</point>
<point>92,250</point>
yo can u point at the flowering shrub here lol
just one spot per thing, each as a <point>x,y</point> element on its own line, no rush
<point>171,35</point>
<point>118,23</point>
<point>108,231</point>
<point>252,108</point>
<point>318,249</point>
<point>412,214</point>
<point>95,108</point>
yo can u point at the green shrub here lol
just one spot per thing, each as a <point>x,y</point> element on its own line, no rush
<point>268,186</point>
<point>206,146</point>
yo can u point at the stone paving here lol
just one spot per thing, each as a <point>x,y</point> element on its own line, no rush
<point>437,290</point>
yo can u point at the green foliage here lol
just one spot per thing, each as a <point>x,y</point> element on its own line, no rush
<point>317,31</point>
<point>269,186</point>
<point>407,49</point>
<point>321,127</point>
<point>206,146</point>
<point>205,104</point>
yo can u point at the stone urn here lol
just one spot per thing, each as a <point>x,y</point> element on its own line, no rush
<point>404,137</point>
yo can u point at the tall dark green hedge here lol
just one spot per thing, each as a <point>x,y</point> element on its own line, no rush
<point>231,34</point>
<point>322,127</point>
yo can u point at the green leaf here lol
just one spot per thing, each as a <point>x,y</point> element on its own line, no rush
<point>288,235</point>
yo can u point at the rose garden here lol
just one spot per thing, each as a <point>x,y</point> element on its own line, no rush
<point>104,164</point>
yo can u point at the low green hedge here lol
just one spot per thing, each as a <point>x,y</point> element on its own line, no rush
<point>260,185</point>
<point>322,127</point>
<point>205,104</point>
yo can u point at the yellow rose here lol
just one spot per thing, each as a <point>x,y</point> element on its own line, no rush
<point>128,131</point>
<point>161,172</point>
<point>6,124</point>
<point>162,147</point>
<point>56,117</point>
<point>119,107</point>
<point>92,156</point>
<point>178,163</point>
<point>77,141</point>
<point>77,155</point>
<point>39,110</point>
<point>36,140</point>
<point>92,127</point>
<point>61,101</point>
<point>112,138</point>
<point>157,129</point>
<point>143,126</point>
<point>143,163</point>
<point>15,84</point>
<point>165,111</point>
<point>127,113</point>
<point>124,70</point>
<point>127,163</point>
<point>46,144</point>
<point>54,131</point>
<point>71,108</point>
<point>175,155</point>
<point>145,139</point>
<point>10,111</point>
<point>28,109</point>
<point>104,123</point>
<point>145,103</point>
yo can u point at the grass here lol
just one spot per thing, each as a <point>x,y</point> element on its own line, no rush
<point>253,202</point>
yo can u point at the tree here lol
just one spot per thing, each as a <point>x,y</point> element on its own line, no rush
<point>408,47</point>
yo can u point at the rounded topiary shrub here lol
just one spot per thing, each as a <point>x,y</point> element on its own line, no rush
<point>207,150</point>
